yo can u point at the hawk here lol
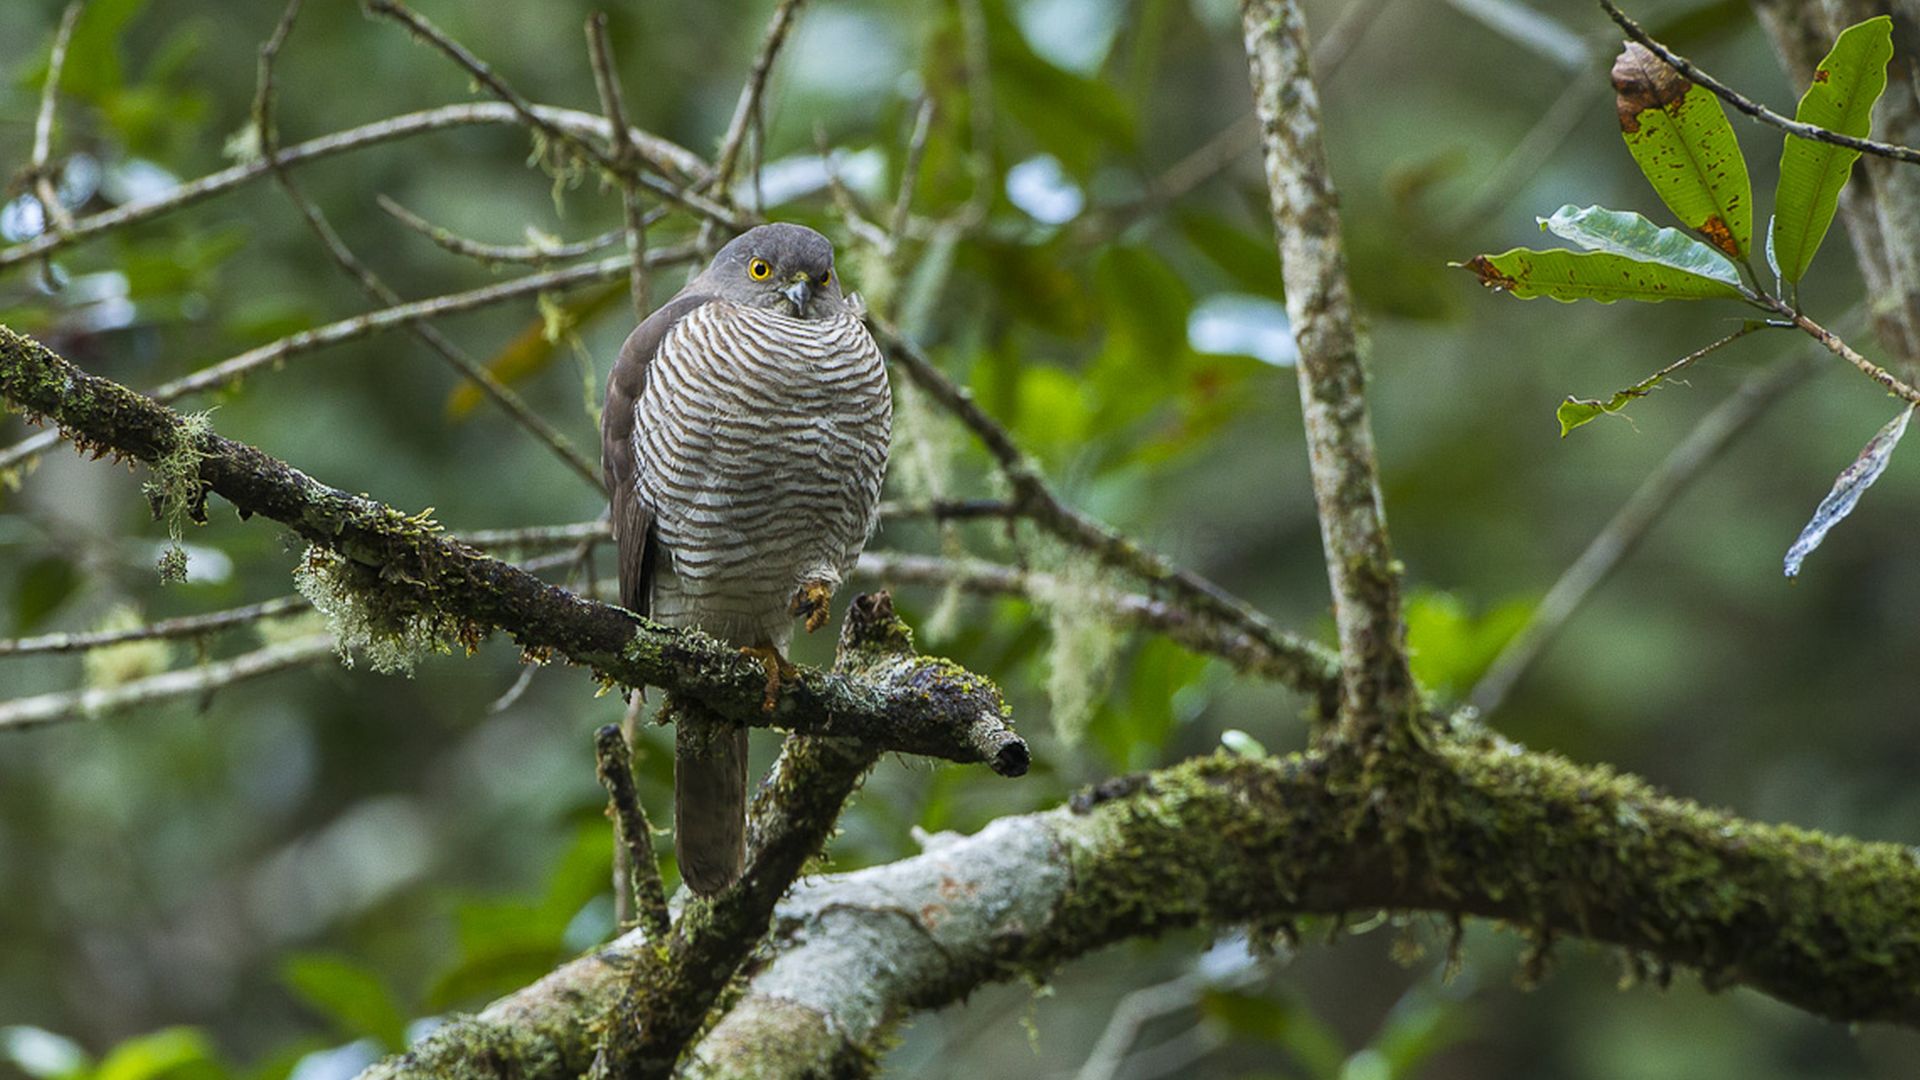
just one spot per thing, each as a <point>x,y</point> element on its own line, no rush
<point>743,443</point>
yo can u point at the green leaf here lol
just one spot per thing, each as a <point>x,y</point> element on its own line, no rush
<point>351,996</point>
<point>1624,232</point>
<point>93,71</point>
<point>1845,87</point>
<point>179,1053</point>
<point>532,350</point>
<point>1076,118</point>
<point>1451,646</point>
<point>1678,134</point>
<point>1604,276</point>
<point>1311,1040</point>
<point>44,585</point>
<point>1574,411</point>
<point>1246,255</point>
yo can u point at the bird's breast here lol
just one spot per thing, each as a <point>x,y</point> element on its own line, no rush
<point>762,444</point>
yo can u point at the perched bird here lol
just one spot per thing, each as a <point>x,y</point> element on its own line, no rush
<point>744,441</point>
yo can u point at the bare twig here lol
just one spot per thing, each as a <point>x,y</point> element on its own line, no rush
<point>607,80</point>
<point>350,264</point>
<point>752,94</point>
<point>1751,107</point>
<point>1300,664</point>
<point>635,833</point>
<point>232,369</point>
<point>1631,523</point>
<point>190,626</point>
<point>530,115</point>
<point>910,171</point>
<point>976,53</point>
<point>24,713</point>
<point>1138,1008</point>
<point>1534,149</point>
<point>949,510</point>
<point>1033,499</point>
<point>43,123</point>
<point>1333,48</point>
<point>1238,139</point>
<point>535,254</point>
<point>1833,343</point>
<point>540,536</point>
<point>582,124</point>
<point>1379,697</point>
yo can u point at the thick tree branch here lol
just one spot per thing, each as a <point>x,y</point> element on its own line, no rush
<point>400,570</point>
<point>1829,926</point>
<point>1379,694</point>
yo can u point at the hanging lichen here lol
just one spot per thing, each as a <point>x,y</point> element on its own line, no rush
<point>926,443</point>
<point>364,617</point>
<point>116,665</point>
<point>175,492</point>
<point>1069,586</point>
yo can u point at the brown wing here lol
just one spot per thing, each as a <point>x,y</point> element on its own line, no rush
<point>633,519</point>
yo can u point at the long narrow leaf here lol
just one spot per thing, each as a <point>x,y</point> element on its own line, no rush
<point>1854,480</point>
<point>1678,134</point>
<point>1624,232</point>
<point>1592,275</point>
<point>1841,98</point>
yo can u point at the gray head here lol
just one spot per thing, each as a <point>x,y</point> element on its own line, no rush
<point>781,266</point>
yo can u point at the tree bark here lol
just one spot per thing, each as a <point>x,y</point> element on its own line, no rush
<point>1881,205</point>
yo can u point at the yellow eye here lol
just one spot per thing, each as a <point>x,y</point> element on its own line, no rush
<point>826,278</point>
<point>758,270</point>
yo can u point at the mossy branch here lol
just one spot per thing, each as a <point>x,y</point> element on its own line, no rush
<point>1830,926</point>
<point>401,571</point>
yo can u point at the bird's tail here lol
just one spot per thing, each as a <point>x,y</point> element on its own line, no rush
<point>710,805</point>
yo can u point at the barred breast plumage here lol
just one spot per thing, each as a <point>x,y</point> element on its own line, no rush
<point>743,442</point>
<point>762,443</point>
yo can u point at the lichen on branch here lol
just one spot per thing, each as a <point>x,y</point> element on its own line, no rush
<point>401,585</point>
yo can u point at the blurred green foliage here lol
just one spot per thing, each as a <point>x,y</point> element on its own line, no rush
<point>287,878</point>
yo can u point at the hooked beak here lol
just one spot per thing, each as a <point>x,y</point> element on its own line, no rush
<point>800,293</point>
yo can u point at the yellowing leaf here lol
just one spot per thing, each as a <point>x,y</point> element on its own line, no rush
<point>531,350</point>
<point>1679,135</point>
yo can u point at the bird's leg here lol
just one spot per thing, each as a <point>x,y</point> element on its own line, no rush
<point>779,671</point>
<point>812,601</point>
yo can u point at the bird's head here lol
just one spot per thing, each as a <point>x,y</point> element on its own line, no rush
<point>788,268</point>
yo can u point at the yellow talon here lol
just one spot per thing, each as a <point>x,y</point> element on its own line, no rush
<point>813,601</point>
<point>779,671</point>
